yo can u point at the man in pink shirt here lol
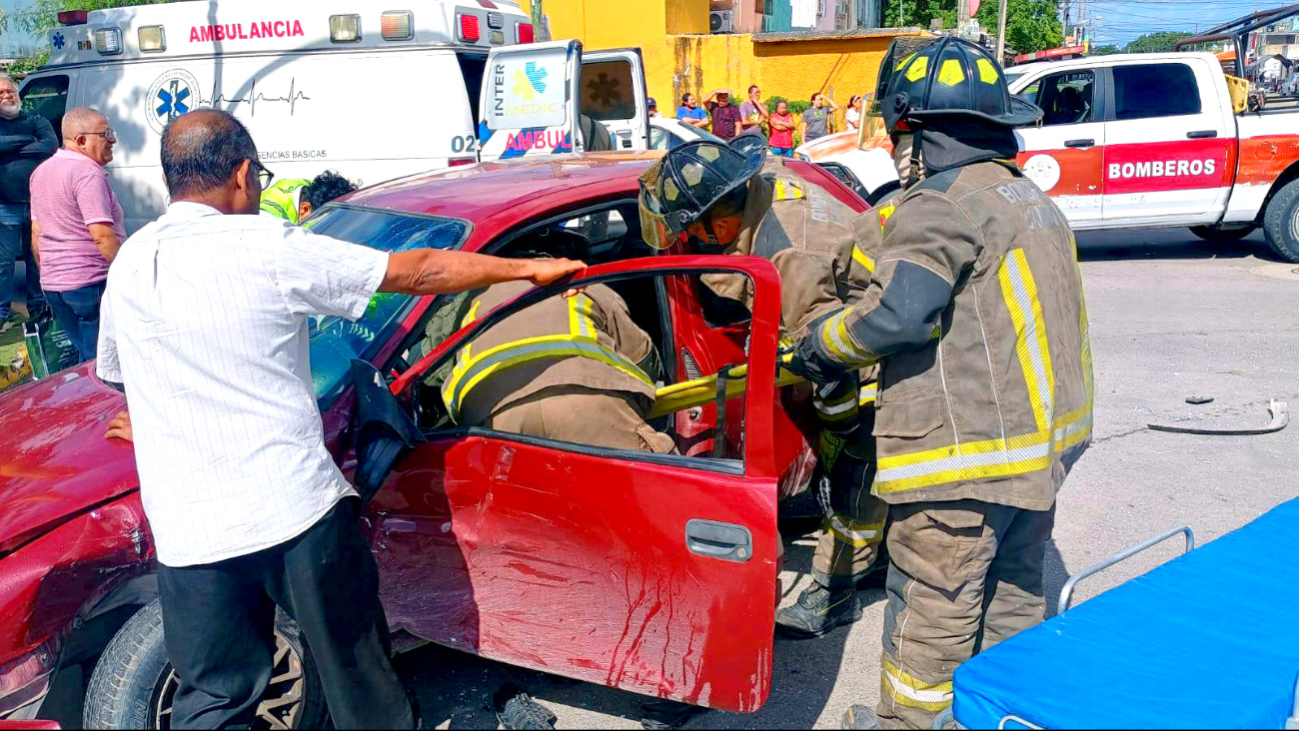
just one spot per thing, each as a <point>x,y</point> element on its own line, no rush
<point>77,225</point>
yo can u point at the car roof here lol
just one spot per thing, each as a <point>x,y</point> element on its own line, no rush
<point>494,196</point>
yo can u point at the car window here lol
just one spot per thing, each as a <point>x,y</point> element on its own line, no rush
<point>1155,90</point>
<point>1066,98</point>
<point>47,97</point>
<point>608,93</point>
<point>335,341</point>
<point>659,138</point>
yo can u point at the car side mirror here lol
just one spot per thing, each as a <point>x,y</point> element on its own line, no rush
<point>383,430</point>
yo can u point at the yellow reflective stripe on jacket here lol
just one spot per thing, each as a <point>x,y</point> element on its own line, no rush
<point>885,214</point>
<point>581,341</point>
<point>868,394</point>
<point>856,533</point>
<point>860,257</point>
<point>786,190</point>
<point>836,341</point>
<point>1020,292</point>
<point>912,692</point>
<point>837,406</point>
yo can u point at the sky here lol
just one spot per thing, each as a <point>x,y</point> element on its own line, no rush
<point>10,39</point>
<point>1120,21</point>
<point>1113,21</point>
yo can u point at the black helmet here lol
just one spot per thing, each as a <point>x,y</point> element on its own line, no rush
<point>945,78</point>
<point>689,180</point>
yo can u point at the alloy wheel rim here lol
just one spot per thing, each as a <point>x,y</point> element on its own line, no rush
<point>281,705</point>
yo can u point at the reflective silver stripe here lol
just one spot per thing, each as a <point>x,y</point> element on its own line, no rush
<point>964,461</point>
<point>831,410</point>
<point>1033,337</point>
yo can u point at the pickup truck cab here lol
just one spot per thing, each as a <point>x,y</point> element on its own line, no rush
<point>1145,140</point>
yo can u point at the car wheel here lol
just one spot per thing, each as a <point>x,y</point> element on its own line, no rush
<point>1222,234</point>
<point>133,684</point>
<point>1281,222</point>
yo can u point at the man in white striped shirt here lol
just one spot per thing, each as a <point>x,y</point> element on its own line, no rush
<point>204,322</point>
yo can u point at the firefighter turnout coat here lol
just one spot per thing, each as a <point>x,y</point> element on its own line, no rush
<point>975,312</point>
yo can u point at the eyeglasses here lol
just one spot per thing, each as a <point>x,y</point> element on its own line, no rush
<point>8,93</point>
<point>264,176</point>
<point>109,135</point>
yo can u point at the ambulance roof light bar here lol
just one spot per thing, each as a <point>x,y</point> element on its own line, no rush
<point>397,25</point>
<point>344,28</point>
<point>74,17</point>
<point>108,41</point>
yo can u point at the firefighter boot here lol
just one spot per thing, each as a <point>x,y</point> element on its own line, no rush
<point>860,717</point>
<point>819,609</point>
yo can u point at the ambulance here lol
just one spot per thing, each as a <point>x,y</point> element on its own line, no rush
<point>367,89</point>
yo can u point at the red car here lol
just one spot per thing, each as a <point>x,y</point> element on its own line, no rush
<point>656,574</point>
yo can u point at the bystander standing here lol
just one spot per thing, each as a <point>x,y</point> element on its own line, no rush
<point>205,326</point>
<point>77,225</point>
<point>816,117</point>
<point>753,112</point>
<point>782,129</point>
<point>25,141</point>
<point>853,116</point>
<point>653,106</point>
<point>691,113</point>
<point>726,118</point>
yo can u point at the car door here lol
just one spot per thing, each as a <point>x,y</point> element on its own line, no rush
<point>528,101</point>
<point>651,573</point>
<point>1170,154</point>
<point>1064,154</point>
<point>613,94</point>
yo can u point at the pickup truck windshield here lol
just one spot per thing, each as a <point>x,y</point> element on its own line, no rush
<point>335,342</point>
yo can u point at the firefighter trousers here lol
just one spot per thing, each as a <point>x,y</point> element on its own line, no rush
<point>963,576</point>
<point>854,523</point>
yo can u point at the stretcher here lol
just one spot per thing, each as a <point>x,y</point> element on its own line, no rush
<point>1207,640</point>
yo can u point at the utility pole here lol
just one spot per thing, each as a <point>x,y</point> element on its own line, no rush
<point>1001,31</point>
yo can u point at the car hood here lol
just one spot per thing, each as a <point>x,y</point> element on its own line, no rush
<point>54,459</point>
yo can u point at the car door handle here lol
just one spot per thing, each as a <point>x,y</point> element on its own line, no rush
<point>719,540</point>
<point>1080,143</point>
<point>1204,134</point>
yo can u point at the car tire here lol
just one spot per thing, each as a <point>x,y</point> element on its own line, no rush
<point>1281,222</point>
<point>1223,234</point>
<point>133,682</point>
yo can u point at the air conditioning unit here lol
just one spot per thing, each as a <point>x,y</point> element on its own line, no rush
<point>721,21</point>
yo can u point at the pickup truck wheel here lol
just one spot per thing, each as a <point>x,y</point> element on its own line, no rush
<point>1281,222</point>
<point>133,684</point>
<point>1222,234</point>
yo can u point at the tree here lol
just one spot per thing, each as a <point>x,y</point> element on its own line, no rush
<point>1031,25</point>
<point>1156,42</point>
<point>1105,50</point>
<point>38,17</point>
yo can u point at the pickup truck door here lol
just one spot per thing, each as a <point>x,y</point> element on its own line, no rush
<point>1064,154</point>
<point>528,104</point>
<point>1170,154</point>
<point>651,573</point>
<point>613,93</point>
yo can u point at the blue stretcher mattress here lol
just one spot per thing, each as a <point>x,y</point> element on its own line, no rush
<point>1208,640</point>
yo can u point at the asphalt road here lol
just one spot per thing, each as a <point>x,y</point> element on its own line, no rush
<point>1171,317</point>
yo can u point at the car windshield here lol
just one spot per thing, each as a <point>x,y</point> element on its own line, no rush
<point>335,341</point>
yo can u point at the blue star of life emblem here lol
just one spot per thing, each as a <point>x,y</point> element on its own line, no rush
<point>173,102</point>
<point>59,41</point>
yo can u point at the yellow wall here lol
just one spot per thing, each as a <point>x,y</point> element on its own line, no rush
<point>699,63</point>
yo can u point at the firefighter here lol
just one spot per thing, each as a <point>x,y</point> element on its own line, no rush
<point>735,200</point>
<point>576,369</point>
<point>295,200</point>
<point>975,314</point>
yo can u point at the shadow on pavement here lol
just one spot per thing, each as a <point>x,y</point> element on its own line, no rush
<point>1054,574</point>
<point>1165,244</point>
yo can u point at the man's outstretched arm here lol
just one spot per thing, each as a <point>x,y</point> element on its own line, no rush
<point>430,271</point>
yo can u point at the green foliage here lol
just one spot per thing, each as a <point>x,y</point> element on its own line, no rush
<point>38,17</point>
<point>1106,50</point>
<point>1156,42</point>
<point>1031,25</point>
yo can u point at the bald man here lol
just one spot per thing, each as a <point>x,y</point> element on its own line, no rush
<point>25,141</point>
<point>205,324</point>
<point>77,225</point>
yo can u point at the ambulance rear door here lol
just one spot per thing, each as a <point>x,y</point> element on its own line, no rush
<point>613,93</point>
<point>528,104</point>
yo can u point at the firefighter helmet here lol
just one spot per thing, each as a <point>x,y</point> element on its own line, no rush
<point>679,189</point>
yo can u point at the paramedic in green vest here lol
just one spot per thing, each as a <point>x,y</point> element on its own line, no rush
<point>295,200</point>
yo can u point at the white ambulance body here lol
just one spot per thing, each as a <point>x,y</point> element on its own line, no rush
<point>347,85</point>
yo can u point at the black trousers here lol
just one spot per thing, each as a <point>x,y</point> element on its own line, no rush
<point>219,623</point>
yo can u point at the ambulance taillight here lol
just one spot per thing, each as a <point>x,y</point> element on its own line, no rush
<point>469,31</point>
<point>108,41</point>
<point>74,17</point>
<point>397,25</point>
<point>344,28</point>
<point>152,39</point>
<point>525,33</point>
